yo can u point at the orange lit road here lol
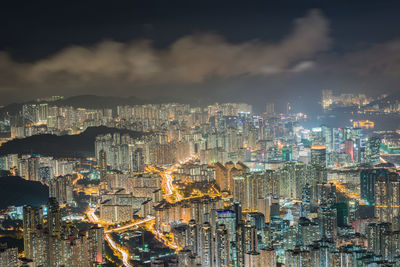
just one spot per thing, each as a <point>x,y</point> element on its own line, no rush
<point>119,250</point>
<point>125,227</point>
<point>122,251</point>
<point>92,216</point>
<point>160,237</point>
<point>344,190</point>
<point>79,176</point>
<point>169,189</point>
<point>171,194</point>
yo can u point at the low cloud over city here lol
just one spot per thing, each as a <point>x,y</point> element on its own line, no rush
<point>190,59</point>
<point>200,133</point>
<point>206,62</point>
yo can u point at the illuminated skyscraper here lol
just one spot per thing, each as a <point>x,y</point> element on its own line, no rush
<point>55,245</point>
<point>252,259</point>
<point>250,238</point>
<point>54,217</point>
<point>32,219</point>
<point>9,257</point>
<point>228,219</point>
<point>268,257</point>
<point>349,148</point>
<point>316,174</point>
<point>325,194</point>
<point>372,149</point>
<point>240,244</point>
<point>61,188</point>
<point>298,257</point>
<point>368,178</point>
<point>222,247</point>
<point>206,250</point>
<point>306,197</point>
<point>192,237</point>
<point>328,222</point>
<point>376,237</point>
<point>96,245</point>
<point>292,179</point>
<point>138,160</point>
<point>387,200</point>
<point>30,113</point>
<point>318,155</point>
<point>103,165</point>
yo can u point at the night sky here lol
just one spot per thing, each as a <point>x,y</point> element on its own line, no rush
<point>258,52</point>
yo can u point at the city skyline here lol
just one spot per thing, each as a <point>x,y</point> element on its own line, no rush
<point>200,134</point>
<point>182,185</point>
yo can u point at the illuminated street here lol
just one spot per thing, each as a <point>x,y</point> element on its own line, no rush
<point>79,177</point>
<point>171,193</point>
<point>344,190</point>
<point>119,250</point>
<point>131,225</point>
<point>122,253</point>
<point>213,134</point>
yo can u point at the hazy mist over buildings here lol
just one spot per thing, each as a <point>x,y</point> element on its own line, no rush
<point>215,51</point>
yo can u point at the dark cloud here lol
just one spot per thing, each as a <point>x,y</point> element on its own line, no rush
<point>190,59</point>
<point>375,60</point>
<point>301,63</point>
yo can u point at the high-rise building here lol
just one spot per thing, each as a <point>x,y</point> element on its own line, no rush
<point>387,200</point>
<point>103,165</point>
<point>318,154</point>
<point>332,140</point>
<point>30,113</point>
<point>292,179</point>
<point>250,241</point>
<point>252,259</point>
<point>9,256</point>
<point>372,149</point>
<point>325,194</point>
<point>316,174</point>
<point>57,244</point>
<point>268,257</point>
<point>298,257</point>
<point>349,148</point>
<point>61,188</point>
<point>138,160</point>
<point>193,237</point>
<point>28,168</point>
<point>229,219</point>
<point>96,245</point>
<point>206,249</point>
<point>32,219</point>
<point>378,236</point>
<point>186,258</point>
<point>368,178</point>
<point>306,197</point>
<point>222,247</point>
<point>53,217</point>
<point>113,213</point>
<point>328,222</point>
<point>308,232</point>
<point>240,244</point>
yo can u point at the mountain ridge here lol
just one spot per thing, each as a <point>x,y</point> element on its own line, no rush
<point>80,145</point>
